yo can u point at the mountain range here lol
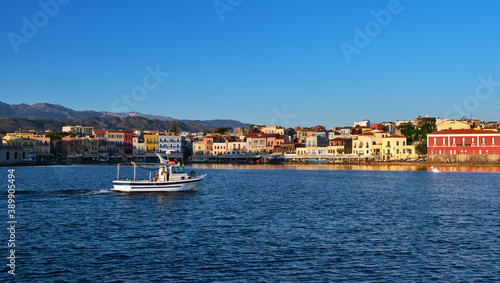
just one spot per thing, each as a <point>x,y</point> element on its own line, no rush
<point>51,116</point>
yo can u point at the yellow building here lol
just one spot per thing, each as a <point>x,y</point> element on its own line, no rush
<point>453,125</point>
<point>24,142</point>
<point>396,148</point>
<point>151,141</point>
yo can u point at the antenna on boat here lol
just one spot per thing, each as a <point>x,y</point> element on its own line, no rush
<point>162,160</point>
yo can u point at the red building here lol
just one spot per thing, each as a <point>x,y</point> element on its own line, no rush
<point>463,145</point>
<point>380,127</point>
<point>128,142</point>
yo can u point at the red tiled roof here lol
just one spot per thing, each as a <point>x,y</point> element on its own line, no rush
<point>464,132</point>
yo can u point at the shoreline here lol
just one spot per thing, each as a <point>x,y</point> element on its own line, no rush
<point>368,166</point>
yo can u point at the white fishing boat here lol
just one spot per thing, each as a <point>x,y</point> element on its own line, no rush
<point>171,177</point>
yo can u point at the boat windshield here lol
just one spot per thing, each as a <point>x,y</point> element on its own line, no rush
<point>178,170</point>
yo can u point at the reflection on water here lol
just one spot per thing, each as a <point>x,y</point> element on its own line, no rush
<point>374,167</point>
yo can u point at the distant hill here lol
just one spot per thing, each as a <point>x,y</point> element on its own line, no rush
<point>54,111</point>
<point>110,123</point>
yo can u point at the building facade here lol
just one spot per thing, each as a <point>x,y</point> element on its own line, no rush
<point>464,145</point>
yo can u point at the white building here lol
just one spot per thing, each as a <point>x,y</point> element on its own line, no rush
<point>176,144</point>
<point>364,123</point>
<point>138,146</point>
<point>273,130</point>
<point>221,148</point>
<point>78,130</point>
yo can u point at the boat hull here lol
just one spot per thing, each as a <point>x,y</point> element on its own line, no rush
<point>150,186</point>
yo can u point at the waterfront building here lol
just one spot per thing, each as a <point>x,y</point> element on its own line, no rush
<point>176,144</point>
<point>336,146</point>
<point>119,142</point>
<point>72,147</point>
<point>237,147</point>
<point>395,147</point>
<point>257,143</point>
<point>220,147</point>
<point>27,142</point>
<point>362,145</point>
<point>198,147</point>
<point>287,148</point>
<point>102,144</point>
<point>316,144</point>
<point>151,140</point>
<point>90,147</point>
<point>138,146</point>
<point>41,146</point>
<point>464,145</point>
<point>12,154</point>
<point>78,130</point>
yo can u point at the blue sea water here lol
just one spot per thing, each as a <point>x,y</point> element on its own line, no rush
<point>255,226</point>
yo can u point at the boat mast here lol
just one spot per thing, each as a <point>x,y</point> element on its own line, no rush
<point>134,170</point>
<point>118,172</point>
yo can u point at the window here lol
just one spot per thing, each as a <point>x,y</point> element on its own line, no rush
<point>444,141</point>
<point>472,141</point>
<point>486,151</point>
<point>463,141</point>
<point>473,152</point>
<point>453,140</point>
<point>397,151</point>
<point>404,142</point>
<point>434,141</point>
<point>492,140</point>
<point>479,151</point>
<point>483,139</point>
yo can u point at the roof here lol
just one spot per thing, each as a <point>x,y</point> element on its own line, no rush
<point>464,132</point>
<point>394,136</point>
<point>260,135</point>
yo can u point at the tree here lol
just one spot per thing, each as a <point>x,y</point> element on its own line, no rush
<point>175,130</point>
<point>222,130</point>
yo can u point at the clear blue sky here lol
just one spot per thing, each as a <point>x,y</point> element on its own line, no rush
<point>256,61</point>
